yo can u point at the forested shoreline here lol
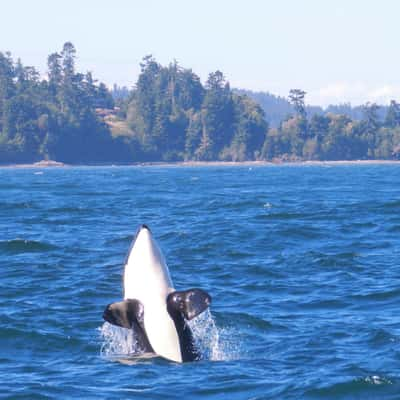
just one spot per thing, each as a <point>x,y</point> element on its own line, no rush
<point>171,116</point>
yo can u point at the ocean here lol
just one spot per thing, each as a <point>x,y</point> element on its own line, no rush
<point>301,262</point>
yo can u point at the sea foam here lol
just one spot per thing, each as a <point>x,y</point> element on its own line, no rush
<point>214,343</point>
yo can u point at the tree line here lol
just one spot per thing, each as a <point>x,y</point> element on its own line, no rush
<point>170,115</point>
<point>334,136</point>
<point>53,118</point>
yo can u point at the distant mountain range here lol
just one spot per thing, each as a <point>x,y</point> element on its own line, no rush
<point>277,108</point>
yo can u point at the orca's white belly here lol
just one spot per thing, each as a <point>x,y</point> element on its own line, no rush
<point>146,278</point>
<point>161,331</point>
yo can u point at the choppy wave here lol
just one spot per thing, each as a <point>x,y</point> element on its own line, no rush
<point>356,388</point>
<point>16,205</point>
<point>15,246</point>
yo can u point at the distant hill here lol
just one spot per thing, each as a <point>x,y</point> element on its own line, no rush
<point>277,108</point>
<point>120,92</point>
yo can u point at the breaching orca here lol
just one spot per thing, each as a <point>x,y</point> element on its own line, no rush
<point>156,313</point>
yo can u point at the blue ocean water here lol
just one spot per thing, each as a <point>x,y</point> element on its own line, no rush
<point>301,262</point>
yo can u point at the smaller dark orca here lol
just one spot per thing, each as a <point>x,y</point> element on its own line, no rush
<point>152,309</point>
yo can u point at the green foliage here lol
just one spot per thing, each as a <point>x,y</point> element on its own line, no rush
<point>334,136</point>
<point>249,130</point>
<point>296,98</point>
<point>217,116</point>
<point>392,119</point>
<point>161,107</point>
<point>174,117</point>
<point>54,118</point>
<point>171,116</point>
<point>194,132</point>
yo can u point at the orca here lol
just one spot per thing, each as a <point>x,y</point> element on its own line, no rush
<point>156,313</point>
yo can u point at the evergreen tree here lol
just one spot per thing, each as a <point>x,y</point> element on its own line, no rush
<point>194,134</point>
<point>296,97</point>
<point>218,117</point>
<point>393,115</point>
<point>54,73</point>
<point>7,86</point>
<point>250,129</point>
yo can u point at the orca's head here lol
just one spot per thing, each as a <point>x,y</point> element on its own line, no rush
<point>145,265</point>
<point>142,237</point>
<point>142,229</point>
<point>144,247</point>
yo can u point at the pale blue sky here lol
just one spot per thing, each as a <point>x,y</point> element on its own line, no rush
<point>335,50</point>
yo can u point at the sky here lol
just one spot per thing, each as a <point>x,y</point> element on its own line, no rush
<point>337,51</point>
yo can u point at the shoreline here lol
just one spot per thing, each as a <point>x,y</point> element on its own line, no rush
<point>55,164</point>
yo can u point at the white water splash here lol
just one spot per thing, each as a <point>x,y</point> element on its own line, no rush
<point>215,344</point>
<point>377,380</point>
<point>207,337</point>
<point>117,341</point>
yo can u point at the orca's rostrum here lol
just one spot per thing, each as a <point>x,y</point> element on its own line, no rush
<point>151,308</point>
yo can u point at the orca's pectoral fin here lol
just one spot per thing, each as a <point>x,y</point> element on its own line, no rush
<point>190,302</point>
<point>130,314</point>
<point>124,313</point>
